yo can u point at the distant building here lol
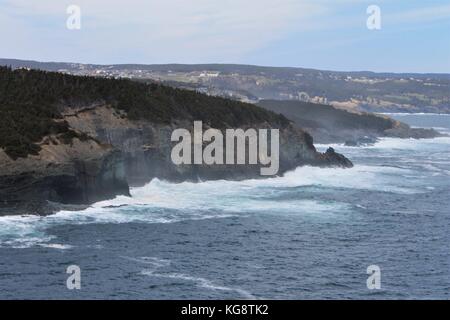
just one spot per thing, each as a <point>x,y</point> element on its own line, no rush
<point>208,74</point>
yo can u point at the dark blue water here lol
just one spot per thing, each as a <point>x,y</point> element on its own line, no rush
<point>310,234</point>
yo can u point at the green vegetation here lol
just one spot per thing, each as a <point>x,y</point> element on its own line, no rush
<point>30,102</point>
<point>21,125</point>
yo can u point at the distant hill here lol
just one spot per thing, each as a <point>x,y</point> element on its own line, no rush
<point>367,91</point>
<point>330,125</point>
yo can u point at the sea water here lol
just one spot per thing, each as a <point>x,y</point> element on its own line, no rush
<point>309,234</point>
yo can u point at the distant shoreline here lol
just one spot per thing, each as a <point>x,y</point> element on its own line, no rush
<point>413,114</point>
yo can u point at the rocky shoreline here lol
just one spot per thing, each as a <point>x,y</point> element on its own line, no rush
<point>60,175</point>
<point>71,141</point>
<point>67,141</point>
<point>120,153</point>
<point>329,125</point>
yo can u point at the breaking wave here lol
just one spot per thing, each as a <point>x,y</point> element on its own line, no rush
<point>153,266</point>
<point>165,202</point>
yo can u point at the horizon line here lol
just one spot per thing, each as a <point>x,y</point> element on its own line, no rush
<point>230,64</point>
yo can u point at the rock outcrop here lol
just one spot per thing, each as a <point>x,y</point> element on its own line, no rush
<point>80,173</point>
<point>122,152</point>
<point>68,140</point>
<point>331,125</point>
<point>146,147</point>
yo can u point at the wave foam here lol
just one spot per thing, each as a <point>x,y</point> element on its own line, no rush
<point>157,264</point>
<point>164,202</point>
<point>394,144</point>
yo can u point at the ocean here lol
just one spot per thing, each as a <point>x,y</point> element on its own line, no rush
<point>308,235</point>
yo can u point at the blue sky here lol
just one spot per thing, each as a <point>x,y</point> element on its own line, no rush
<point>322,34</point>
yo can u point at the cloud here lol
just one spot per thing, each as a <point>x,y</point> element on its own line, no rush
<point>198,31</point>
<point>423,14</point>
<point>164,30</point>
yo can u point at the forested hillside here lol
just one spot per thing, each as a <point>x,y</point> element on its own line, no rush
<point>363,91</point>
<point>29,101</point>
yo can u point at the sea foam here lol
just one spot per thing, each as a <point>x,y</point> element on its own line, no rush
<point>165,202</point>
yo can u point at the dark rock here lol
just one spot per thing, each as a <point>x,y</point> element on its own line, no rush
<point>147,146</point>
<point>331,125</point>
<point>30,189</point>
<point>415,133</point>
<point>332,158</point>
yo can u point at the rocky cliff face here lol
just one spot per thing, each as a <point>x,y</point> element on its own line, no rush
<point>77,140</point>
<point>330,125</point>
<point>122,152</point>
<point>146,147</point>
<point>80,173</point>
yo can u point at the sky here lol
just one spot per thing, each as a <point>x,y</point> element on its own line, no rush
<point>320,34</point>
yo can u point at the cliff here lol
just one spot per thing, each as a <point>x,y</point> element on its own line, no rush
<point>79,173</point>
<point>146,147</point>
<point>77,140</point>
<point>331,125</point>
